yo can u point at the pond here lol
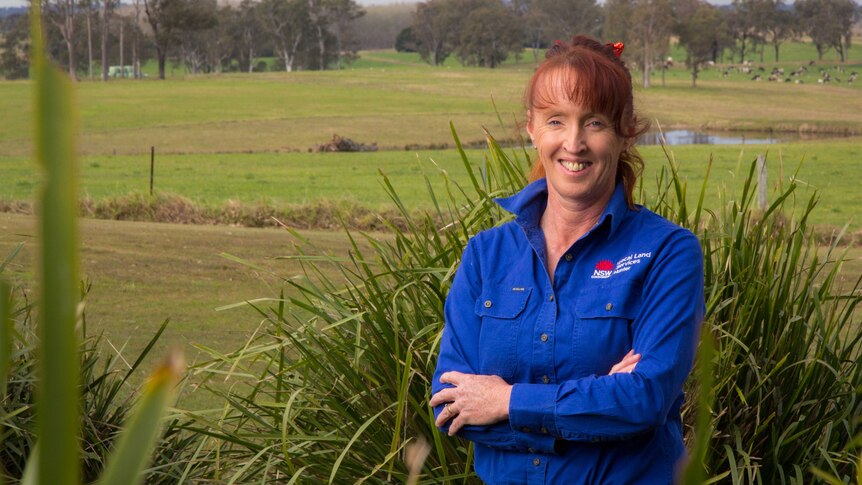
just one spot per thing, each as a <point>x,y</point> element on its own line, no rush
<point>689,137</point>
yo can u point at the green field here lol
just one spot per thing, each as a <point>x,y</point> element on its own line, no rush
<point>282,112</point>
<point>284,179</point>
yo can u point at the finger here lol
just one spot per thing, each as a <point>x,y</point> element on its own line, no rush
<point>627,364</point>
<point>451,377</point>
<point>445,415</point>
<point>443,396</point>
<point>456,425</point>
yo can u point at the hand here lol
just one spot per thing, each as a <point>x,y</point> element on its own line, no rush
<point>627,365</point>
<point>475,399</point>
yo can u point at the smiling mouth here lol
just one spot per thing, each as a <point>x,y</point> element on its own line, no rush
<point>575,166</point>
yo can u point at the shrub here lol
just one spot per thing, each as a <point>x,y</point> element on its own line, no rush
<point>339,379</point>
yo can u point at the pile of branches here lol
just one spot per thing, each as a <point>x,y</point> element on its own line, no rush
<point>341,144</point>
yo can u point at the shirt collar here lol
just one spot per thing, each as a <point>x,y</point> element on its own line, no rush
<point>529,204</point>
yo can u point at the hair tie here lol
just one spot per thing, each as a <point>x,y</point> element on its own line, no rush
<point>617,47</point>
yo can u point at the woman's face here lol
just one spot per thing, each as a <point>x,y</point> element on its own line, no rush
<point>578,148</point>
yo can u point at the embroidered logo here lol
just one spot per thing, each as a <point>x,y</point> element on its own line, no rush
<point>604,269</point>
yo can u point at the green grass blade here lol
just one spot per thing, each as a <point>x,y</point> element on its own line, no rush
<point>31,471</point>
<point>135,444</point>
<point>10,257</point>
<point>57,405</point>
<point>695,473</point>
<point>6,332</point>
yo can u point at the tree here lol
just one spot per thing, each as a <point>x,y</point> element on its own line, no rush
<point>488,35</point>
<point>245,27</point>
<point>652,23</point>
<point>15,48</point>
<point>829,23</point>
<point>775,22</point>
<point>107,12</point>
<point>742,24</point>
<point>168,18</point>
<point>548,20</point>
<point>285,21</point>
<point>405,41</point>
<point>434,29</point>
<point>342,13</point>
<point>701,29</point>
<point>62,14</point>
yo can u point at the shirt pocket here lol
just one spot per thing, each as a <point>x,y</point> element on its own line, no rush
<point>501,311</point>
<point>604,327</point>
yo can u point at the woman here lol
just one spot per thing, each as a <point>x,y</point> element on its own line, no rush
<point>570,330</point>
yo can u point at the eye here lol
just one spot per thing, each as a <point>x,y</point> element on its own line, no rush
<point>555,122</point>
<point>595,123</point>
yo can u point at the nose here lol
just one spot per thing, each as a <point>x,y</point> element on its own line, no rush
<point>574,140</point>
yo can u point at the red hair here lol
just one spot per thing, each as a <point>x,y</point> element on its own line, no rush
<point>593,76</point>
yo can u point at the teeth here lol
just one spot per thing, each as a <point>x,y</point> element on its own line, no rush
<point>575,166</point>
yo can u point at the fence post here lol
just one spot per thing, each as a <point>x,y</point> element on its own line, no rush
<point>152,167</point>
<point>761,183</point>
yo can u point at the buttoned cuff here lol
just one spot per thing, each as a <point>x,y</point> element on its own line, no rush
<point>531,408</point>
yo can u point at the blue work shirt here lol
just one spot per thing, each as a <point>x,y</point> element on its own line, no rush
<point>634,281</point>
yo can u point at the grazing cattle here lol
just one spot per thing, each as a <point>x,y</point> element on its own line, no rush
<point>852,77</point>
<point>799,81</point>
<point>811,63</point>
<point>757,78</point>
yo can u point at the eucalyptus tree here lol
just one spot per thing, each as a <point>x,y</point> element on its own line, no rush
<point>701,29</point>
<point>343,13</point>
<point>434,29</point>
<point>488,34</point>
<point>108,7</point>
<point>15,47</point>
<point>829,23</point>
<point>652,24</point>
<point>775,21</point>
<point>247,29</point>
<point>169,18</point>
<point>742,22</point>
<point>62,14</point>
<point>645,26</point>
<point>286,23</point>
<point>545,21</point>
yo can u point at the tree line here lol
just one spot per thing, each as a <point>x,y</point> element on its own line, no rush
<point>202,36</point>
<point>487,32</point>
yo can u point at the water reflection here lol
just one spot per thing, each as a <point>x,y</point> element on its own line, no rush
<point>688,137</point>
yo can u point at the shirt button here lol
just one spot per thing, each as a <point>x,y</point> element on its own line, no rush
<point>531,450</point>
<point>568,257</point>
<point>544,337</point>
<point>488,303</point>
<point>551,298</point>
<point>546,380</point>
<point>544,430</point>
<point>536,461</point>
<point>609,306</point>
